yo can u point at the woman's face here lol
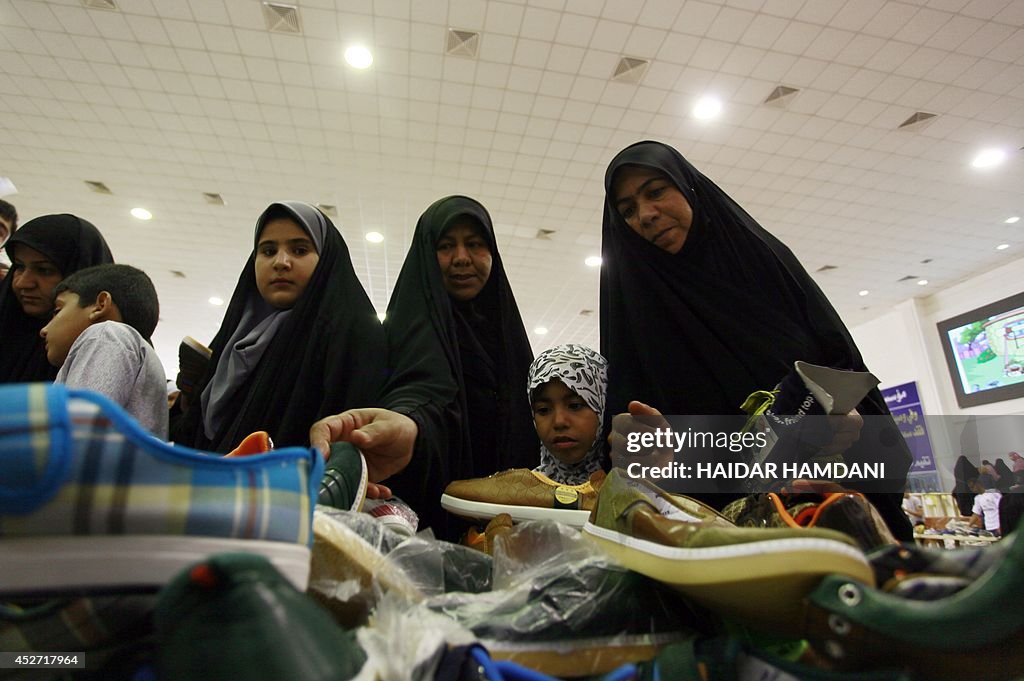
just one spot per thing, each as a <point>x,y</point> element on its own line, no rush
<point>465,260</point>
<point>285,260</point>
<point>652,206</point>
<point>34,278</point>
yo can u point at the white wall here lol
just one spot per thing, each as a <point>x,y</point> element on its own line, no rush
<point>904,345</point>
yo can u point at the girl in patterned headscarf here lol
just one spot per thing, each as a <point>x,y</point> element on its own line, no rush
<point>566,388</point>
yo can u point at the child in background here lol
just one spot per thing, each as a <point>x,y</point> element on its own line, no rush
<point>566,387</point>
<point>99,337</point>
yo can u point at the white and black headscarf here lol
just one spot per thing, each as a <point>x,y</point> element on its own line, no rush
<point>585,372</point>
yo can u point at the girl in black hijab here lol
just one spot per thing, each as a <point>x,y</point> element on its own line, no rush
<point>43,252</point>
<point>700,306</point>
<point>299,340</point>
<point>459,357</point>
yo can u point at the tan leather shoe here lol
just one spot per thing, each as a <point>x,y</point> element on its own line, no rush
<point>524,495</point>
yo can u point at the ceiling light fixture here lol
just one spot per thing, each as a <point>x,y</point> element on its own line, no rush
<point>863,293</point>
<point>541,330</point>
<point>707,108</point>
<point>358,57</point>
<point>1002,247</point>
<point>141,214</point>
<point>922,282</point>
<point>593,261</point>
<point>374,237</point>
<point>1012,220</point>
<point>989,158</point>
<point>214,300</point>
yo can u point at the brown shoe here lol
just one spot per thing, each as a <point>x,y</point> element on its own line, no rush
<point>524,495</point>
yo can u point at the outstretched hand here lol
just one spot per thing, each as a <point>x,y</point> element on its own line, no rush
<point>386,439</point>
<point>642,418</point>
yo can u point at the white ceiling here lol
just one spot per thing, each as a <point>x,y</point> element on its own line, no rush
<point>163,100</point>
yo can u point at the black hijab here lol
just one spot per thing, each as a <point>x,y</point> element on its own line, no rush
<point>457,368</point>
<point>697,331</point>
<point>71,243</point>
<point>325,354</point>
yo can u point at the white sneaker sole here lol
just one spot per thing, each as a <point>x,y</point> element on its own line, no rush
<point>761,583</point>
<point>127,562</point>
<point>482,510</point>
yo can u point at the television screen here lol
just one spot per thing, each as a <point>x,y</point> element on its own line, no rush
<point>984,351</point>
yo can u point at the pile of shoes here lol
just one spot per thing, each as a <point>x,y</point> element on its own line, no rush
<point>161,562</point>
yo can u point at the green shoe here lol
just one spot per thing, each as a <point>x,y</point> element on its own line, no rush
<point>758,576</point>
<point>976,633</point>
<point>345,478</point>
<point>234,616</point>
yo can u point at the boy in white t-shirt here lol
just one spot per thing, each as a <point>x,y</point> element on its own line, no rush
<point>99,336</point>
<point>985,512</point>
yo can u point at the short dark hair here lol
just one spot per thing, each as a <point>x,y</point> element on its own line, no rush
<point>130,288</point>
<point>10,214</point>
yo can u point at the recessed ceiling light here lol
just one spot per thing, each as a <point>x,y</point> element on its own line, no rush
<point>374,237</point>
<point>382,315</point>
<point>863,293</point>
<point>922,282</point>
<point>1015,218</point>
<point>1002,247</point>
<point>707,108</point>
<point>541,330</point>
<point>593,261</point>
<point>142,214</point>
<point>214,300</point>
<point>358,57</point>
<point>988,158</point>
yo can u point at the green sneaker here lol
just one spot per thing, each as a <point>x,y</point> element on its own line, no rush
<point>758,576</point>
<point>234,616</point>
<point>345,478</point>
<point>976,633</point>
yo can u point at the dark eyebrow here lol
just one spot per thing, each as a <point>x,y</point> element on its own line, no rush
<point>640,190</point>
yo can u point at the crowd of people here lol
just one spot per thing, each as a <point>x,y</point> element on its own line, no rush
<point>700,307</point>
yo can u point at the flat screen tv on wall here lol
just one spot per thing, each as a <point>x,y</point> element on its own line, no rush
<point>984,351</point>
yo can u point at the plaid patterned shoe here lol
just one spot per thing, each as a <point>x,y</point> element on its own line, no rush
<point>91,501</point>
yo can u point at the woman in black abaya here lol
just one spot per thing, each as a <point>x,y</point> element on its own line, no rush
<point>299,340</point>
<point>700,306</point>
<point>43,252</point>
<point>459,356</point>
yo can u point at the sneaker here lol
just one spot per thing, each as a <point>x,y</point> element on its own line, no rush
<point>253,443</point>
<point>90,500</point>
<point>345,478</point>
<point>486,540</point>
<point>112,631</point>
<point>807,390</point>
<point>193,359</point>
<point>976,633</point>
<point>394,513</point>
<point>524,495</point>
<point>847,512</point>
<point>234,616</point>
<point>757,575</point>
